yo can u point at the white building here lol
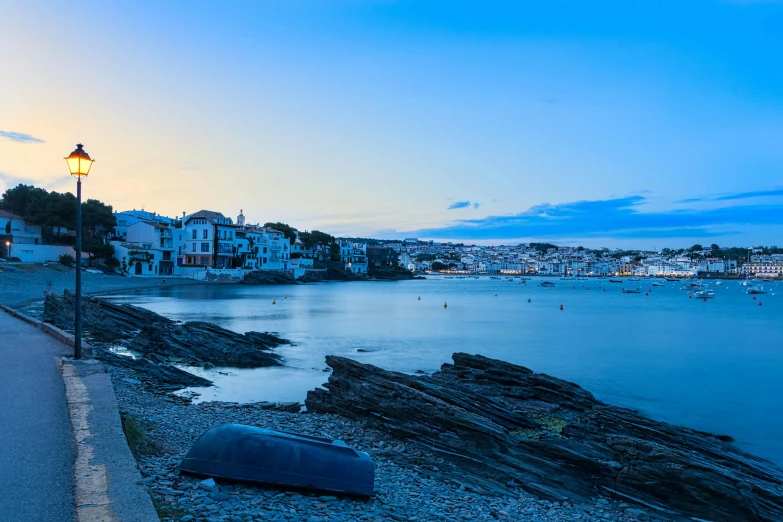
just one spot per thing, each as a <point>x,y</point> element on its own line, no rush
<point>130,217</point>
<point>353,256</point>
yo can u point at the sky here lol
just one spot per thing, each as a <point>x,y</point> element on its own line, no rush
<point>605,123</point>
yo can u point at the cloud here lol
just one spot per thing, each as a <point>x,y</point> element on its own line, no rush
<point>20,138</point>
<point>610,218</point>
<point>736,195</point>
<point>754,194</point>
<point>459,204</point>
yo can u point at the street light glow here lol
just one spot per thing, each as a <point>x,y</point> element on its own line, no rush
<point>79,162</point>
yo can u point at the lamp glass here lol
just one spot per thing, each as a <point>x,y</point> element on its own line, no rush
<point>79,162</point>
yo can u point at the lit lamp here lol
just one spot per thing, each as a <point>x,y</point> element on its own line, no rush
<point>8,249</point>
<point>79,163</point>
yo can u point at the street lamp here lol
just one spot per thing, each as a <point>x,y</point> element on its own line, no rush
<point>8,249</point>
<point>79,163</point>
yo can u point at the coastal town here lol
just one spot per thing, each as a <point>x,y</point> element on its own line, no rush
<point>208,243</point>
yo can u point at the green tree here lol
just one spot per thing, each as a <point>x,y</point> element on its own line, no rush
<point>287,230</point>
<point>437,265</point>
<point>97,218</point>
<point>95,248</point>
<point>334,251</point>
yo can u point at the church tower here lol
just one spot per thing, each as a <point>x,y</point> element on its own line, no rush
<point>241,219</point>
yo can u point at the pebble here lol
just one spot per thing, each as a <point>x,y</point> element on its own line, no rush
<point>404,491</point>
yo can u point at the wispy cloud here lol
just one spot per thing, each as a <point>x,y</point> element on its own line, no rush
<point>736,195</point>
<point>459,204</point>
<point>617,217</point>
<point>20,137</point>
<point>754,194</point>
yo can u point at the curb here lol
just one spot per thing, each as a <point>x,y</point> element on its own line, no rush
<point>61,335</point>
<point>106,480</point>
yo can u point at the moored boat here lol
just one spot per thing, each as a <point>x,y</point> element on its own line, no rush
<point>615,280</point>
<point>547,284</point>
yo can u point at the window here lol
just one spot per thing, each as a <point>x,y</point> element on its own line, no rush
<point>264,253</point>
<point>265,258</point>
<point>205,247</point>
<point>194,247</point>
<point>206,234</point>
<point>194,234</point>
<point>204,260</point>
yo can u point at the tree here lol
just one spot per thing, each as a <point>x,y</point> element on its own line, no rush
<point>437,265</point>
<point>97,218</point>
<point>287,230</point>
<point>95,248</point>
<point>316,237</point>
<point>426,257</point>
<point>334,251</point>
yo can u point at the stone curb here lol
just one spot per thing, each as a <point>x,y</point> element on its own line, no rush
<point>61,335</point>
<point>106,479</point>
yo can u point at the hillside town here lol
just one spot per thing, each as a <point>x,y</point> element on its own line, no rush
<point>208,242</point>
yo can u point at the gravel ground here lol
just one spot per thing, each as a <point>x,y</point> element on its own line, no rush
<point>407,480</point>
<point>27,284</point>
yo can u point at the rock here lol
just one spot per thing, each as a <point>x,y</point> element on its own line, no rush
<point>195,343</point>
<point>638,514</point>
<point>208,484</point>
<point>494,422</point>
<point>269,277</point>
<point>168,377</point>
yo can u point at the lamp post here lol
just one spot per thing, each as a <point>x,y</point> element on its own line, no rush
<point>8,249</point>
<point>79,163</point>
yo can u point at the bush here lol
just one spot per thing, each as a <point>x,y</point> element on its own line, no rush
<point>67,260</point>
<point>15,260</point>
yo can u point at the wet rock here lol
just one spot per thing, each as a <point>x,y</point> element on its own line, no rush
<point>168,376</point>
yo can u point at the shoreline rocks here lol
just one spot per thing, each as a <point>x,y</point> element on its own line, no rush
<point>497,425</point>
<point>408,482</point>
<point>159,341</point>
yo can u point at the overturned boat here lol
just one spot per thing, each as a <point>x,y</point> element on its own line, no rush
<point>252,454</point>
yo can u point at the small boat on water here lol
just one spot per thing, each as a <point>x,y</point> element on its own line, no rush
<point>634,279</point>
<point>252,454</point>
<point>632,290</point>
<point>672,280</point>
<point>756,290</point>
<point>494,277</point>
<point>704,294</point>
<point>582,278</point>
<point>615,280</point>
<point>547,284</point>
<point>657,283</point>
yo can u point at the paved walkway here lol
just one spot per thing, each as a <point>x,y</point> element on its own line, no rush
<point>36,445</point>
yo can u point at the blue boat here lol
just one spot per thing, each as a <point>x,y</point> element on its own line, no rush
<point>252,454</point>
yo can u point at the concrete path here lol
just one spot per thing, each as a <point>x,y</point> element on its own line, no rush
<point>36,444</point>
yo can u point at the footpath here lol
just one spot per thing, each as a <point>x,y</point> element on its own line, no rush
<point>63,455</point>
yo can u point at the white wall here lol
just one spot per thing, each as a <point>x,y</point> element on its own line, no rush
<point>40,253</point>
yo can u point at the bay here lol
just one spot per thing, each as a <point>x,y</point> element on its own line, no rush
<point>712,365</point>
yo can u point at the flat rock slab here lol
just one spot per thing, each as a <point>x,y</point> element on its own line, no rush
<point>497,424</point>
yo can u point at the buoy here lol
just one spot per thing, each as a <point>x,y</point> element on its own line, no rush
<point>705,299</point>
<point>759,303</point>
<point>496,295</point>
<point>690,296</point>
<point>445,305</point>
<point>528,299</point>
<point>647,295</point>
<point>274,302</point>
<point>754,297</point>
<point>285,297</point>
<point>419,298</point>
<point>561,307</point>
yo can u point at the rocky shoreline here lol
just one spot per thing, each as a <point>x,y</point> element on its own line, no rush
<point>407,489</point>
<point>479,440</point>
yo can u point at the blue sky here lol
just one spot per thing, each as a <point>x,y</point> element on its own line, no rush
<point>603,123</point>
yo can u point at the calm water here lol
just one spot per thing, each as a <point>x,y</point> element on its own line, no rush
<point>712,365</point>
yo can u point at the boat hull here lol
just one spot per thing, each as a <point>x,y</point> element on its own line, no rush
<point>252,454</point>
